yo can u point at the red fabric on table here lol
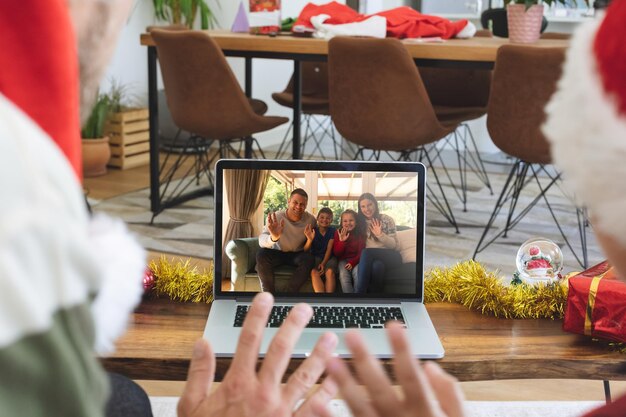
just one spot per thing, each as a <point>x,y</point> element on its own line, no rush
<point>402,22</point>
<point>603,315</point>
<point>339,14</point>
<point>39,72</point>
<point>614,409</point>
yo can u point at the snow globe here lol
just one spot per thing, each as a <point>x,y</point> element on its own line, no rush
<point>539,260</point>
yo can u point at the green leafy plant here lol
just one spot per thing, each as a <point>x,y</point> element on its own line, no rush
<point>185,12</point>
<point>94,127</point>
<point>529,3</point>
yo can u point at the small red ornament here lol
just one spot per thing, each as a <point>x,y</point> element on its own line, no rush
<point>148,280</point>
<point>534,250</point>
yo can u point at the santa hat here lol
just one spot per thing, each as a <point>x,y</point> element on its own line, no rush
<point>586,123</point>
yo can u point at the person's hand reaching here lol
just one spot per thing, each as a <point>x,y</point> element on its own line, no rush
<point>309,232</point>
<point>274,226</point>
<point>428,391</point>
<point>246,392</point>
<point>376,228</point>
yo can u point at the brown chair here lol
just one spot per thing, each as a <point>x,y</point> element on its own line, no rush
<point>315,111</point>
<point>524,79</point>
<point>378,102</point>
<point>205,99</point>
<point>458,96</point>
<point>556,35</point>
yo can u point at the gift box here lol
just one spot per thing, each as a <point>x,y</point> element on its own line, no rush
<point>596,304</point>
<point>264,16</point>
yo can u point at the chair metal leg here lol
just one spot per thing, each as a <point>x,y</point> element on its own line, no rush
<point>175,184</point>
<point>467,159</point>
<point>316,129</point>
<point>441,204</point>
<point>477,164</point>
<point>172,190</point>
<point>444,208</point>
<point>607,391</point>
<point>436,149</point>
<point>520,176</point>
<point>496,210</point>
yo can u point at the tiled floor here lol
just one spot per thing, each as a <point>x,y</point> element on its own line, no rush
<point>188,228</point>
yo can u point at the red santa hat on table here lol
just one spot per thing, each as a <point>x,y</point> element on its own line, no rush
<point>586,123</point>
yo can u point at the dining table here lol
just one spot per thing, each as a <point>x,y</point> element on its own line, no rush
<point>470,53</point>
<point>478,347</point>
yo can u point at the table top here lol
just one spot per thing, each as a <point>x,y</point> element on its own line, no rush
<point>478,347</point>
<point>473,49</point>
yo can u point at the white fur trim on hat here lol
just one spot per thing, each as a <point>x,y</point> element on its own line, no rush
<point>588,136</point>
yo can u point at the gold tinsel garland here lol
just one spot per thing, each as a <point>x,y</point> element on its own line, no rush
<point>182,281</point>
<point>468,283</point>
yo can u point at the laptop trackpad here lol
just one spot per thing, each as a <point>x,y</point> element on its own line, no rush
<point>308,340</point>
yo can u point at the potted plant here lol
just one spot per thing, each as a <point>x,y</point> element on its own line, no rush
<point>184,12</point>
<point>524,18</point>
<point>128,129</point>
<point>95,145</point>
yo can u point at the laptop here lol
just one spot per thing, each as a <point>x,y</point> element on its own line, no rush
<point>398,292</point>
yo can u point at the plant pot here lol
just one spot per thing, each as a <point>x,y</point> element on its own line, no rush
<point>96,154</point>
<point>524,25</point>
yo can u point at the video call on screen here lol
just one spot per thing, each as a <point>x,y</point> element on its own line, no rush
<point>371,242</point>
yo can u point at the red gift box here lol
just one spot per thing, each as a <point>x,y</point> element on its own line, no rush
<point>266,11</point>
<point>596,304</point>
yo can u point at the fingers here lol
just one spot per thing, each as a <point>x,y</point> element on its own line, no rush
<point>199,378</point>
<point>373,376</point>
<point>251,334</point>
<point>418,395</point>
<point>316,404</point>
<point>349,389</point>
<point>446,389</point>
<point>307,374</point>
<point>279,352</point>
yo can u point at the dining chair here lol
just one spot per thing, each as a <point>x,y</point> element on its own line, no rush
<point>458,96</point>
<point>378,102</point>
<point>205,99</point>
<point>315,112</point>
<point>556,35</point>
<point>496,20</point>
<point>524,79</point>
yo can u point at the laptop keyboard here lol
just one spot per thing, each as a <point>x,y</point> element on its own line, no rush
<point>333,317</point>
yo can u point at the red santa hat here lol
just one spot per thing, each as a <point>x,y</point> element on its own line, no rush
<point>586,123</point>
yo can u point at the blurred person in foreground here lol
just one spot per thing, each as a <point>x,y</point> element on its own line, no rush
<point>68,281</point>
<point>586,127</point>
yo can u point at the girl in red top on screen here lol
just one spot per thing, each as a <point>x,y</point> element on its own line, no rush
<point>349,242</point>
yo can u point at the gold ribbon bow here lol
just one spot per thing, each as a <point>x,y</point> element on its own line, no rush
<point>593,291</point>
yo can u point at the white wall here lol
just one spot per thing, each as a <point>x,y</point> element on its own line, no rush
<point>129,64</point>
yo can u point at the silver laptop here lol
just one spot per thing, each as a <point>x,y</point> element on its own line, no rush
<point>395,289</point>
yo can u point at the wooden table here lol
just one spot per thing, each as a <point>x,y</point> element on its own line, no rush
<point>479,53</point>
<point>478,347</point>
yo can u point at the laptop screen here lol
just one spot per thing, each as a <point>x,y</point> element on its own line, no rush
<point>319,229</point>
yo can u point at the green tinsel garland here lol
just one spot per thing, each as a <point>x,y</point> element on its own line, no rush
<point>468,283</point>
<point>181,280</point>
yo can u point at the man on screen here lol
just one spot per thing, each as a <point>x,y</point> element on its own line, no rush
<point>282,243</point>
